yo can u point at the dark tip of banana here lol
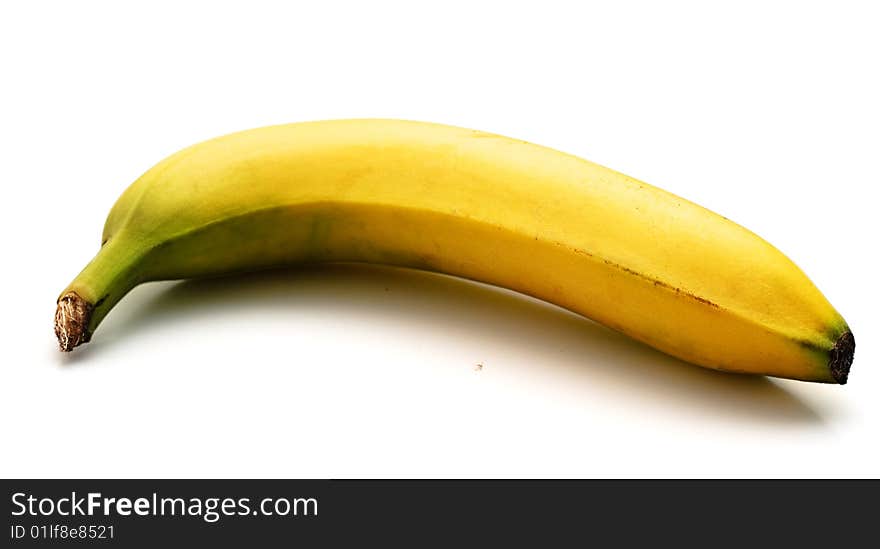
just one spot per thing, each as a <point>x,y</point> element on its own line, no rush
<point>842,357</point>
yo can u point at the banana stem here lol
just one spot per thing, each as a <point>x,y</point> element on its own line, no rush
<point>87,300</point>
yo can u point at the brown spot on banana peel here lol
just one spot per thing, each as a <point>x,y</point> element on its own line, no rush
<point>655,281</point>
<point>72,318</point>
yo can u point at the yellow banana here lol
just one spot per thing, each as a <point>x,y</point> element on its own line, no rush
<point>633,257</point>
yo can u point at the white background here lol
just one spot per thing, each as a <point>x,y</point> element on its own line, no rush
<point>766,112</point>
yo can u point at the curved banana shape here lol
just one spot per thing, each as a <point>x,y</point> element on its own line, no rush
<point>476,205</point>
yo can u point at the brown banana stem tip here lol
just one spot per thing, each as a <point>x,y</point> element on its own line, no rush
<point>842,357</point>
<point>72,321</point>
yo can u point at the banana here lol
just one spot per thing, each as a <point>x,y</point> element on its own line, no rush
<point>633,257</point>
